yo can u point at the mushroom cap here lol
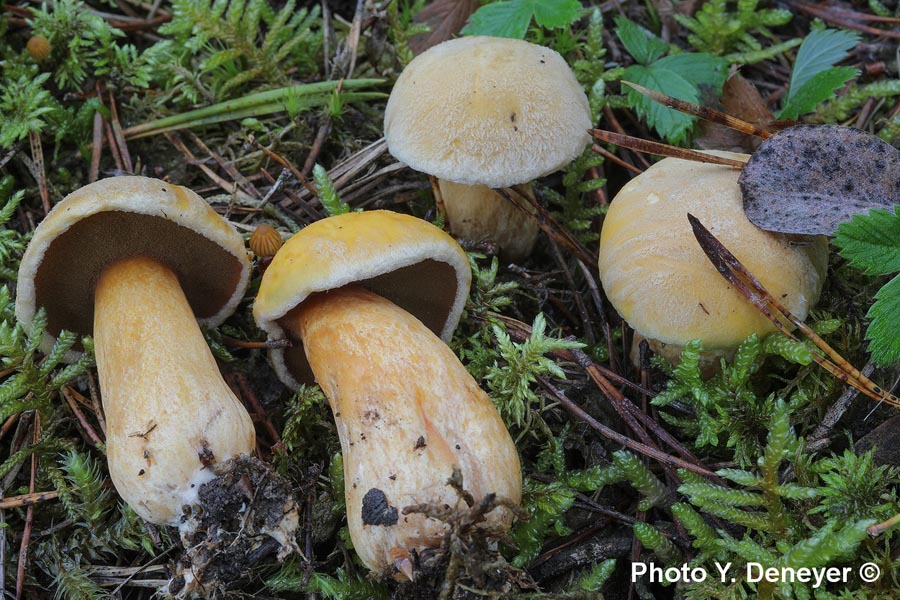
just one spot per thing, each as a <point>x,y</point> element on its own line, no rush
<point>121,217</point>
<point>658,278</point>
<point>407,260</point>
<point>489,111</point>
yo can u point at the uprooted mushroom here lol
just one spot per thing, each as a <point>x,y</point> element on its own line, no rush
<point>136,262</point>
<point>364,297</point>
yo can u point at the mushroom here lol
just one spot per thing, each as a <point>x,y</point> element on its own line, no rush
<point>136,262</point>
<point>366,299</point>
<point>481,113</point>
<point>658,279</point>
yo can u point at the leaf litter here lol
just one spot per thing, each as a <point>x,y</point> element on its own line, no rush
<point>810,178</point>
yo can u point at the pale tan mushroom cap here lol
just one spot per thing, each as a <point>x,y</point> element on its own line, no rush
<point>407,260</point>
<point>490,111</point>
<point>120,217</point>
<point>658,278</point>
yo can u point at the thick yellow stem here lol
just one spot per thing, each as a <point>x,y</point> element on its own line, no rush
<point>406,411</point>
<point>170,416</point>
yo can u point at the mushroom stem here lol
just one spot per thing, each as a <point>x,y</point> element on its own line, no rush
<point>478,213</point>
<point>170,415</point>
<point>406,411</point>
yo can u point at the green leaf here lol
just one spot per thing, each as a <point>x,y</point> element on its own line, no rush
<point>884,343</point>
<point>821,86</point>
<point>871,242</point>
<point>510,19</point>
<point>697,68</point>
<point>819,51</point>
<point>500,19</point>
<point>640,43</point>
<point>669,123</point>
<point>555,14</point>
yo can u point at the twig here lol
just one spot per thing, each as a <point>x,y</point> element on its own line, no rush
<point>618,437</point>
<point>248,394</point>
<point>604,322</point>
<point>660,149</point>
<point>879,528</point>
<point>118,135</point>
<point>737,275</point>
<point>37,155</point>
<point>827,16</point>
<point>29,513</point>
<point>230,188</point>
<point>81,418</point>
<point>607,154</point>
<point>707,114</point>
<point>819,438</point>
<point>95,401</point>
<point>614,123</point>
<point>579,301</point>
<point>624,405</point>
<point>267,345</point>
<point>229,168</point>
<point>96,145</point>
<point>546,222</point>
<point>27,499</point>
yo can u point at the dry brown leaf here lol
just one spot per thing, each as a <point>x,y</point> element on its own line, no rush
<point>741,99</point>
<point>446,18</point>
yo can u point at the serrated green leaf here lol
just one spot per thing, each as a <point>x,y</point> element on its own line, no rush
<point>555,14</point>
<point>510,18</point>
<point>698,68</point>
<point>818,52</point>
<point>669,123</point>
<point>820,86</point>
<point>884,343</point>
<point>640,43</point>
<point>871,242</point>
<point>500,19</point>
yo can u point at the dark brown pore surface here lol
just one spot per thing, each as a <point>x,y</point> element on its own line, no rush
<point>66,279</point>
<point>425,290</point>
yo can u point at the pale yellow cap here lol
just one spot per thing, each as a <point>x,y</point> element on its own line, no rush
<point>121,217</point>
<point>407,260</point>
<point>489,111</point>
<point>658,278</point>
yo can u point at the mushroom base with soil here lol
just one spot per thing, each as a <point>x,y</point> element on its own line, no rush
<point>172,422</point>
<point>407,412</point>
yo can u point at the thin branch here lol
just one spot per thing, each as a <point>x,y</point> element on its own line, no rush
<point>737,275</point>
<point>707,114</point>
<point>660,149</point>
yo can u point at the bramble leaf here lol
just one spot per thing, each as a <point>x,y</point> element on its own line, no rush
<point>818,52</point>
<point>821,86</point>
<point>871,242</point>
<point>669,123</point>
<point>679,76</point>
<point>884,343</point>
<point>510,18</point>
<point>813,78</point>
<point>640,43</point>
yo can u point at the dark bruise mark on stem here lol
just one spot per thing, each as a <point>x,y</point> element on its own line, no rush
<point>707,114</point>
<point>660,149</point>
<point>737,275</point>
